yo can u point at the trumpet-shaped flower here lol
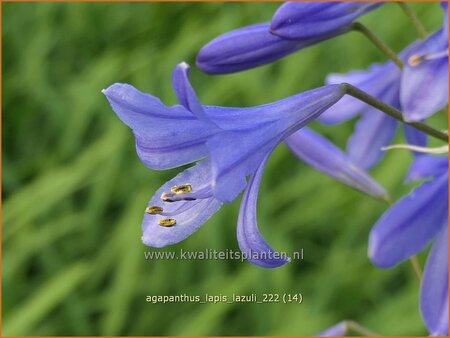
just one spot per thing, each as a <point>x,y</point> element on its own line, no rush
<point>303,20</point>
<point>409,226</point>
<point>424,82</point>
<point>374,129</point>
<point>419,90</point>
<point>250,47</point>
<point>295,26</point>
<point>231,144</point>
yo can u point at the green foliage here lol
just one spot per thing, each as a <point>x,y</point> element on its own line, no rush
<point>74,190</point>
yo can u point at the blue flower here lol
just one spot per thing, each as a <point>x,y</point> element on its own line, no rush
<point>303,20</point>
<point>325,157</point>
<point>419,91</point>
<point>424,82</point>
<point>374,129</point>
<point>230,144</point>
<point>409,226</point>
<point>295,26</point>
<point>250,47</point>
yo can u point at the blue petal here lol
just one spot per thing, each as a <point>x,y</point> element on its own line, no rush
<point>166,137</point>
<point>236,154</point>
<point>324,156</point>
<point>185,93</point>
<point>380,80</point>
<point>408,226</point>
<point>302,20</point>
<point>415,136</point>
<point>444,5</point>
<point>246,48</point>
<point>434,290</point>
<point>424,86</point>
<point>372,132</point>
<point>425,166</point>
<point>251,243</point>
<point>337,330</point>
<point>189,214</point>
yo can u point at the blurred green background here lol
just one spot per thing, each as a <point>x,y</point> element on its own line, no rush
<point>74,190</point>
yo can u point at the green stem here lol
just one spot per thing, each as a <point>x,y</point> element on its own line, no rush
<point>393,112</point>
<point>380,44</point>
<point>359,329</point>
<point>414,19</point>
<point>416,266</point>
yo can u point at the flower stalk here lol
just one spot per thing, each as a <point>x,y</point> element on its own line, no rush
<point>391,111</point>
<point>380,44</point>
<point>416,266</point>
<point>359,329</point>
<point>411,14</point>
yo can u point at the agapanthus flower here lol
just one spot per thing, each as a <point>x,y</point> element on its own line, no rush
<point>424,83</point>
<point>230,144</point>
<point>295,26</point>
<point>374,130</point>
<point>302,20</point>
<point>419,90</point>
<point>409,226</point>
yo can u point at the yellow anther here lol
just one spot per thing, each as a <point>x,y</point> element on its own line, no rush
<point>167,222</point>
<point>166,197</point>
<point>415,60</point>
<point>153,210</point>
<point>181,189</point>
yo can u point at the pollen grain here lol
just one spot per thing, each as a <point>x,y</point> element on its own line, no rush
<point>167,222</point>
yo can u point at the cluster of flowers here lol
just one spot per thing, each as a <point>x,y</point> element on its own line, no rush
<point>229,145</point>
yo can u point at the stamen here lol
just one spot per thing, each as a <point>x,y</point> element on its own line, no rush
<point>181,189</point>
<point>154,210</point>
<point>167,222</point>
<point>166,197</point>
<point>425,150</point>
<point>416,60</point>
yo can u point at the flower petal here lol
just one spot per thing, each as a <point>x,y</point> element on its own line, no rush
<point>337,330</point>
<point>302,20</point>
<point>185,93</point>
<point>324,156</point>
<point>246,48</point>
<point>414,136</point>
<point>427,166</point>
<point>236,154</point>
<point>380,80</point>
<point>408,226</point>
<point>444,6</point>
<point>434,290</point>
<point>373,131</point>
<point>251,243</point>
<point>166,137</point>
<point>188,214</point>
<point>424,86</point>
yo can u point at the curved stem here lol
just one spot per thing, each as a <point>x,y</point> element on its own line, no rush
<point>416,266</point>
<point>359,27</point>
<point>393,112</point>
<point>359,329</point>
<point>414,19</point>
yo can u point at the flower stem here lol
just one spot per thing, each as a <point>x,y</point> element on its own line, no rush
<point>359,329</point>
<point>416,266</point>
<point>380,44</point>
<point>393,112</point>
<point>414,19</point>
